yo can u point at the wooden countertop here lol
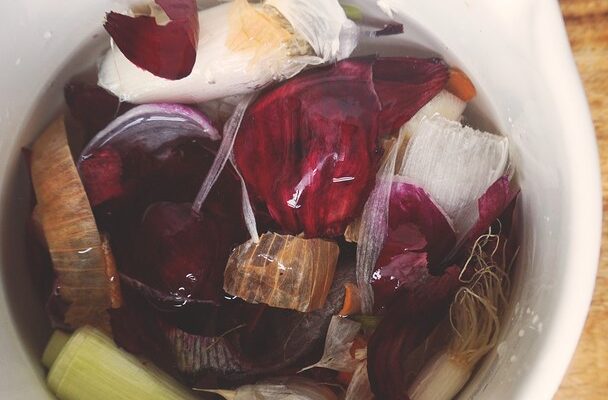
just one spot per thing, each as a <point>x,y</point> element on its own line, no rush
<point>587,25</point>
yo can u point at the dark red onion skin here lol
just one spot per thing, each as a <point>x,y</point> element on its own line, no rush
<point>92,107</point>
<point>167,51</point>
<point>491,205</point>
<point>424,299</point>
<point>419,236</point>
<point>308,148</point>
<point>415,311</point>
<point>140,178</point>
<point>183,253</point>
<point>268,341</point>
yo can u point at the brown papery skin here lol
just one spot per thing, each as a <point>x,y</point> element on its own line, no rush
<point>70,230</point>
<point>283,271</point>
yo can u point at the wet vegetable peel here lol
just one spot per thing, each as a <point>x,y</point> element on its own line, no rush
<point>282,271</point>
<point>86,275</point>
<point>241,47</point>
<point>166,49</point>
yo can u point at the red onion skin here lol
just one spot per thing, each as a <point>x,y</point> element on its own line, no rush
<point>93,107</point>
<point>419,237</point>
<point>139,173</point>
<point>167,51</point>
<point>308,148</point>
<point>414,313</point>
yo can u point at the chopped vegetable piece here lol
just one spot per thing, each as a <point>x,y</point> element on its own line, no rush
<point>352,300</point>
<point>460,85</point>
<point>413,314</point>
<point>455,165</point>
<point>282,271</point>
<point>445,104</point>
<point>91,367</point>
<point>74,242</point>
<point>56,343</point>
<point>167,50</point>
<point>242,46</point>
<point>320,146</point>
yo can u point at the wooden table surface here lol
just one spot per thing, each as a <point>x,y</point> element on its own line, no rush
<point>587,25</point>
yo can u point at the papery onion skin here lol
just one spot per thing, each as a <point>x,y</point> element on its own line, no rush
<point>315,137</point>
<point>167,51</point>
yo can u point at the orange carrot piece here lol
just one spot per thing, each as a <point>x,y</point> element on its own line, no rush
<point>460,85</point>
<point>352,300</point>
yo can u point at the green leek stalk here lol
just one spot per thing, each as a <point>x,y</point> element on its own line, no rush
<point>89,366</point>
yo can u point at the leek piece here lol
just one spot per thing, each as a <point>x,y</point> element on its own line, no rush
<point>441,379</point>
<point>53,348</point>
<point>475,319</point>
<point>455,164</point>
<point>91,367</point>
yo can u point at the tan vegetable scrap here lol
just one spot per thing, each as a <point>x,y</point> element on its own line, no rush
<point>84,268</point>
<point>282,271</point>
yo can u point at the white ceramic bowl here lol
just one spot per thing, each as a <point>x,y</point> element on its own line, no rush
<point>518,55</point>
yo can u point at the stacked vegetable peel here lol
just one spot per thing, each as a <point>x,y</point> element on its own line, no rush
<point>371,200</point>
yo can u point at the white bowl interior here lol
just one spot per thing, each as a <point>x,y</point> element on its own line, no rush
<point>527,91</point>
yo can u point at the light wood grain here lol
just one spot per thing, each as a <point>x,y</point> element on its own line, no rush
<point>587,25</point>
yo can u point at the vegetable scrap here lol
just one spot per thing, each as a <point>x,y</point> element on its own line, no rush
<point>282,271</point>
<point>240,208</point>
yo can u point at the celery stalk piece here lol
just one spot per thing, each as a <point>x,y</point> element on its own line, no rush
<point>91,367</point>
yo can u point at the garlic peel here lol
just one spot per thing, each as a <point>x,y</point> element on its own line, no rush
<point>220,70</point>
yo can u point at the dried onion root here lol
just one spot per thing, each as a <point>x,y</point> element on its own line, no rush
<point>83,264</point>
<point>475,319</point>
